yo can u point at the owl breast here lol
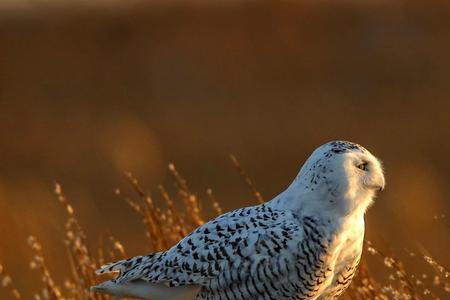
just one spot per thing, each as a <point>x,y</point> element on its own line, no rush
<point>345,267</point>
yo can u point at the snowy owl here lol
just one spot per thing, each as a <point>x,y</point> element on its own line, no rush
<point>306,243</point>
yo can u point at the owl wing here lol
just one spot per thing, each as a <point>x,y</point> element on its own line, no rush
<point>249,251</point>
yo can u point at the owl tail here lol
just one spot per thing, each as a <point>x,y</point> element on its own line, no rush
<point>147,290</point>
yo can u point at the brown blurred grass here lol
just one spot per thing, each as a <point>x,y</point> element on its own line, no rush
<point>167,225</point>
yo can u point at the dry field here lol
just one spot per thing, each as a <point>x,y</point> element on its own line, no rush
<point>164,226</point>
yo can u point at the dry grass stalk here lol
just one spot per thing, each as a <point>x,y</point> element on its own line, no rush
<point>50,291</point>
<point>7,283</point>
<point>145,209</point>
<point>247,179</point>
<point>191,201</point>
<point>216,205</point>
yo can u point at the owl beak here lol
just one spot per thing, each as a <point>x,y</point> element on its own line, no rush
<point>381,184</point>
<point>377,187</point>
<point>377,183</point>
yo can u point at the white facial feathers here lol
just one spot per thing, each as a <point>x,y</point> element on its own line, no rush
<point>339,176</point>
<point>366,170</point>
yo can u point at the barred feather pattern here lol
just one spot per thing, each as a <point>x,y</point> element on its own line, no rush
<point>341,280</point>
<point>250,253</point>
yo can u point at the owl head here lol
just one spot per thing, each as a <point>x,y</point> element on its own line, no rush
<point>338,176</point>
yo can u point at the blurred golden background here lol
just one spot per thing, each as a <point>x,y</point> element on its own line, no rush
<point>89,90</point>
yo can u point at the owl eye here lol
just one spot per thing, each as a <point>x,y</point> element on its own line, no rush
<point>362,166</point>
